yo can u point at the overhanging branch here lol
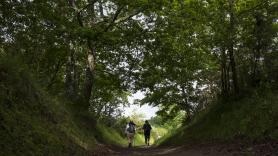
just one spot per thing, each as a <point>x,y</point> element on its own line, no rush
<point>114,18</point>
<point>117,20</point>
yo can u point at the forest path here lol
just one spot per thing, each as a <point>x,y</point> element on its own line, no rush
<point>269,148</point>
<point>190,150</point>
<point>162,151</point>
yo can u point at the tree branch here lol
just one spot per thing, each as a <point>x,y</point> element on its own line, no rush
<point>123,19</point>
<point>114,19</point>
<point>57,69</point>
<point>250,9</point>
<point>101,9</point>
<point>79,13</point>
<point>87,6</point>
<point>117,20</point>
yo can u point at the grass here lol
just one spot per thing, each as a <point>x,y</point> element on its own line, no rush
<point>159,133</point>
<point>109,135</point>
<point>33,122</point>
<point>139,139</point>
<point>251,118</point>
<point>112,136</point>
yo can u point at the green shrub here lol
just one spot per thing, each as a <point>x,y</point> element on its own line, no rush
<point>251,118</point>
<point>32,122</point>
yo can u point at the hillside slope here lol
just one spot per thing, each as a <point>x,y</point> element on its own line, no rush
<point>253,118</point>
<point>34,123</point>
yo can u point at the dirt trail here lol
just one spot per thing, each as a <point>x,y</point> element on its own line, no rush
<point>166,151</point>
<point>264,149</point>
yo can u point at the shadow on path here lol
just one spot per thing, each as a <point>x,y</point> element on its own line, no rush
<point>269,148</point>
<point>165,151</point>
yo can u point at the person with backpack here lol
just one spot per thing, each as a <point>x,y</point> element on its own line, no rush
<point>130,132</point>
<point>147,132</point>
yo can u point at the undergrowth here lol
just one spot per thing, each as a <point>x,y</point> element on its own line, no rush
<point>33,122</point>
<point>253,117</point>
<point>112,136</point>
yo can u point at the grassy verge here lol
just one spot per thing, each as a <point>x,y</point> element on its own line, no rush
<point>109,135</point>
<point>250,118</point>
<point>112,136</point>
<point>34,123</point>
<point>159,133</point>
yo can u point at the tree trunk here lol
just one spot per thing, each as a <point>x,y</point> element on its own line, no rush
<point>234,71</point>
<point>224,81</point>
<point>88,85</point>
<point>69,81</point>
<point>187,107</point>
<point>257,49</point>
<point>89,75</point>
<point>228,78</point>
<point>89,72</point>
<point>231,47</point>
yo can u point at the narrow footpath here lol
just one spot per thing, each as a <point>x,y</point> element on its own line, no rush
<point>262,149</point>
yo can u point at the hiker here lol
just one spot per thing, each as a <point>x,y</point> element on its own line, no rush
<point>147,132</point>
<point>130,132</point>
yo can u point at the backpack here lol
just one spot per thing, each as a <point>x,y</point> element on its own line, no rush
<point>131,128</point>
<point>147,127</point>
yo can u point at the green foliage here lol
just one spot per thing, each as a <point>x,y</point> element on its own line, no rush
<point>139,139</point>
<point>110,135</point>
<point>137,118</point>
<point>164,127</point>
<point>113,136</point>
<point>250,118</point>
<point>32,122</point>
<point>202,49</point>
<point>181,54</point>
<point>159,133</point>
